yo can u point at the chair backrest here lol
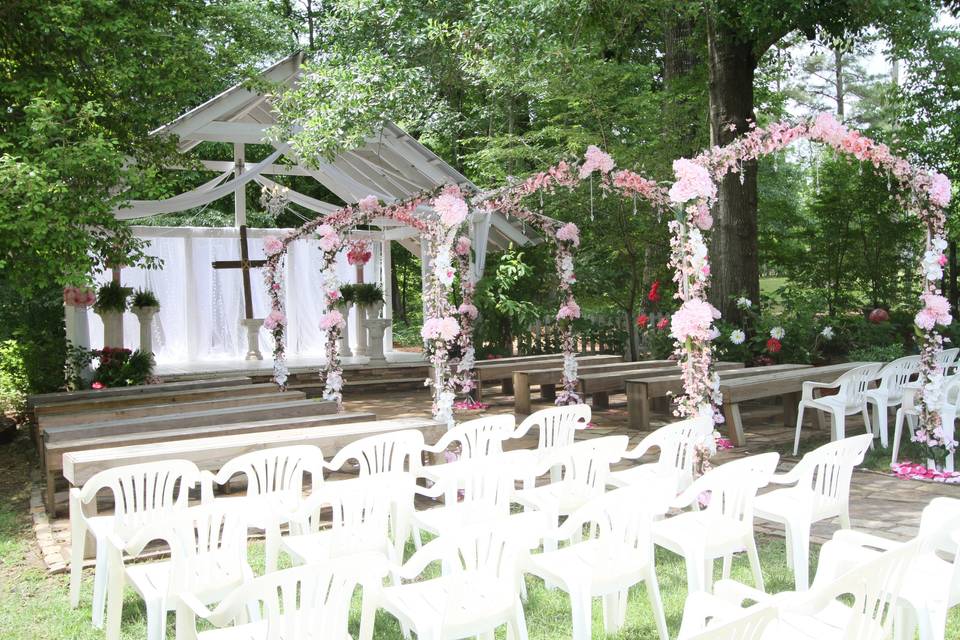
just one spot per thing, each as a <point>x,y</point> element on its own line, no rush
<point>482,436</point>
<point>144,492</point>
<point>897,373</point>
<point>586,464</point>
<point>383,453</point>
<point>750,625</point>
<point>827,471</point>
<point>940,530</point>
<point>855,383</point>
<point>873,585</point>
<point>733,486</point>
<point>624,517</point>
<point>948,357</point>
<point>677,443</point>
<point>360,509</point>
<point>486,484</point>
<point>277,471</point>
<point>309,602</point>
<point>557,425</point>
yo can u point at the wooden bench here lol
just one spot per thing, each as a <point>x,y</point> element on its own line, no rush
<point>600,385</point>
<point>147,410</point>
<point>788,384</point>
<point>640,392</point>
<point>45,399</point>
<point>504,368</point>
<point>549,378</point>
<point>211,453</point>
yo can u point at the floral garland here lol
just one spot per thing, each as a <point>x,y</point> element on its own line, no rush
<point>566,236</point>
<point>465,377</point>
<point>695,191</point>
<point>440,327</point>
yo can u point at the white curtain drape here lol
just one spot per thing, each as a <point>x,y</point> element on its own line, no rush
<point>201,307</point>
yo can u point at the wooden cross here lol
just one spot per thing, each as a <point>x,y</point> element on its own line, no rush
<point>244,264</point>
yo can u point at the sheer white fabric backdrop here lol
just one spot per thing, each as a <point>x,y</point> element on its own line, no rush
<point>201,307</point>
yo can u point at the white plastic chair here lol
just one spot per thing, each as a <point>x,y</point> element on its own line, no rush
<point>618,556</point>
<point>850,399</point>
<point>310,602</point>
<point>889,393</point>
<point>947,359</point>
<point>821,491</point>
<point>474,491</point>
<point>141,494</point>
<point>932,582</point>
<point>208,559</point>
<point>948,409</point>
<point>677,444</point>
<point>477,594</point>
<point>585,469</point>
<point>556,427</point>
<point>825,611</point>
<point>724,527</point>
<point>384,453</point>
<point>751,624</point>
<point>275,486</point>
<point>476,438</point>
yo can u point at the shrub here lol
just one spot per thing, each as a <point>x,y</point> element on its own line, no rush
<point>878,353</point>
<point>14,383</point>
<point>121,367</point>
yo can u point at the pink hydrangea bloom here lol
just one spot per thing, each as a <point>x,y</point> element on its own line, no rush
<point>272,245</point>
<point>940,190</point>
<point>446,328</point>
<point>333,295</point>
<point>468,310</point>
<point>463,246</point>
<point>274,320</point>
<point>331,319</point>
<point>595,159</point>
<point>936,311</point>
<point>569,311</point>
<point>368,203</point>
<point>693,320</point>
<point>693,181</point>
<point>703,219</point>
<point>452,209</point>
<point>569,233</point>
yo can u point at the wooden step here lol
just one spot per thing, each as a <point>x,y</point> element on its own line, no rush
<point>117,392</point>
<point>295,409</point>
<point>150,410</point>
<point>362,386</point>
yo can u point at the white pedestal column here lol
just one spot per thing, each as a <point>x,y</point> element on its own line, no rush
<point>112,329</point>
<point>361,348</point>
<point>344,310</point>
<point>145,318</point>
<point>252,326</point>
<point>376,327</point>
<point>77,326</point>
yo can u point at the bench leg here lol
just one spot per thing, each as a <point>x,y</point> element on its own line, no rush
<point>506,386</point>
<point>601,400</point>
<point>661,404</point>
<point>478,390</point>
<point>521,398</point>
<point>548,392</point>
<point>731,415</point>
<point>639,406</point>
<point>50,494</point>
<point>790,402</point>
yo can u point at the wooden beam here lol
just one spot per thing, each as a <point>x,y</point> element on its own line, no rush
<point>224,165</point>
<point>230,132</point>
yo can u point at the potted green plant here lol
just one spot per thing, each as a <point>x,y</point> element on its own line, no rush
<point>112,301</point>
<point>369,297</point>
<point>145,306</point>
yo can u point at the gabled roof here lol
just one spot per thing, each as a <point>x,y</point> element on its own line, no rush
<point>392,164</point>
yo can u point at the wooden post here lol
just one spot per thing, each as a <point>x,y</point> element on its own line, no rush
<point>386,266</point>
<point>638,405</point>
<point>521,392</point>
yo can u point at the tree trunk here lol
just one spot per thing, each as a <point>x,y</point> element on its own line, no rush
<point>954,294</point>
<point>734,248</point>
<point>838,81</point>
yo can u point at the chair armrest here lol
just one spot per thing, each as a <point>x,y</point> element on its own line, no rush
<point>794,475</point>
<point>809,387</point>
<point>206,481</point>
<point>642,447</point>
<point>863,539</point>
<point>443,443</point>
<point>736,592</point>
<point>197,607</point>
<point>434,551</point>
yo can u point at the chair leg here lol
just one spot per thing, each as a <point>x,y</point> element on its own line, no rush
<point>865,412</point>
<point>788,546</point>
<point>611,612</point>
<point>755,563</point>
<point>517,624</point>
<point>727,565</point>
<point>800,544</point>
<point>881,425</point>
<point>897,430</point>
<point>581,611</point>
<point>115,582</point>
<point>78,540</point>
<point>695,573</point>
<point>368,612</point>
<point>708,575</point>
<point>838,430</point>
<point>796,439</point>
<point>156,619</point>
<point>101,584</point>
<point>653,593</point>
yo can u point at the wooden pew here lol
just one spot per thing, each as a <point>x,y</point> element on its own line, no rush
<point>211,453</point>
<point>788,384</point>
<point>503,369</point>
<point>640,392</point>
<point>600,385</point>
<point>45,399</point>
<point>148,410</point>
<point>548,378</point>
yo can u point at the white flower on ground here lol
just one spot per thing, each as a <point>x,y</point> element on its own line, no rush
<point>777,333</point>
<point>737,336</point>
<point>744,303</point>
<point>827,333</point>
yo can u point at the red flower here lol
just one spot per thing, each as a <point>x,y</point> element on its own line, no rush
<point>98,385</point>
<point>654,295</point>
<point>643,320</point>
<point>664,321</point>
<point>773,345</point>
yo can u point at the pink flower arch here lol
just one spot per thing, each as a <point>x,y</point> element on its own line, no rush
<point>924,193</point>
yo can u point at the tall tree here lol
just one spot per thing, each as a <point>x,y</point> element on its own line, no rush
<point>739,33</point>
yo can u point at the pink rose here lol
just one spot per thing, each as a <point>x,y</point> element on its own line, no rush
<point>703,219</point>
<point>274,320</point>
<point>368,203</point>
<point>936,311</point>
<point>595,159</point>
<point>693,320</point>
<point>446,328</point>
<point>569,311</point>
<point>272,245</point>
<point>693,181</point>
<point>463,246</point>
<point>569,233</point>
<point>331,319</point>
<point>468,310</point>
<point>452,209</point>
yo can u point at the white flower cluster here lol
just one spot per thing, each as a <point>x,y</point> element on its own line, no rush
<point>744,303</point>
<point>569,366</point>
<point>737,336</point>
<point>442,267</point>
<point>566,270</point>
<point>280,371</point>
<point>467,361</point>
<point>333,386</point>
<point>932,268</point>
<point>827,333</point>
<point>698,255</point>
<point>777,333</point>
<point>445,407</point>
